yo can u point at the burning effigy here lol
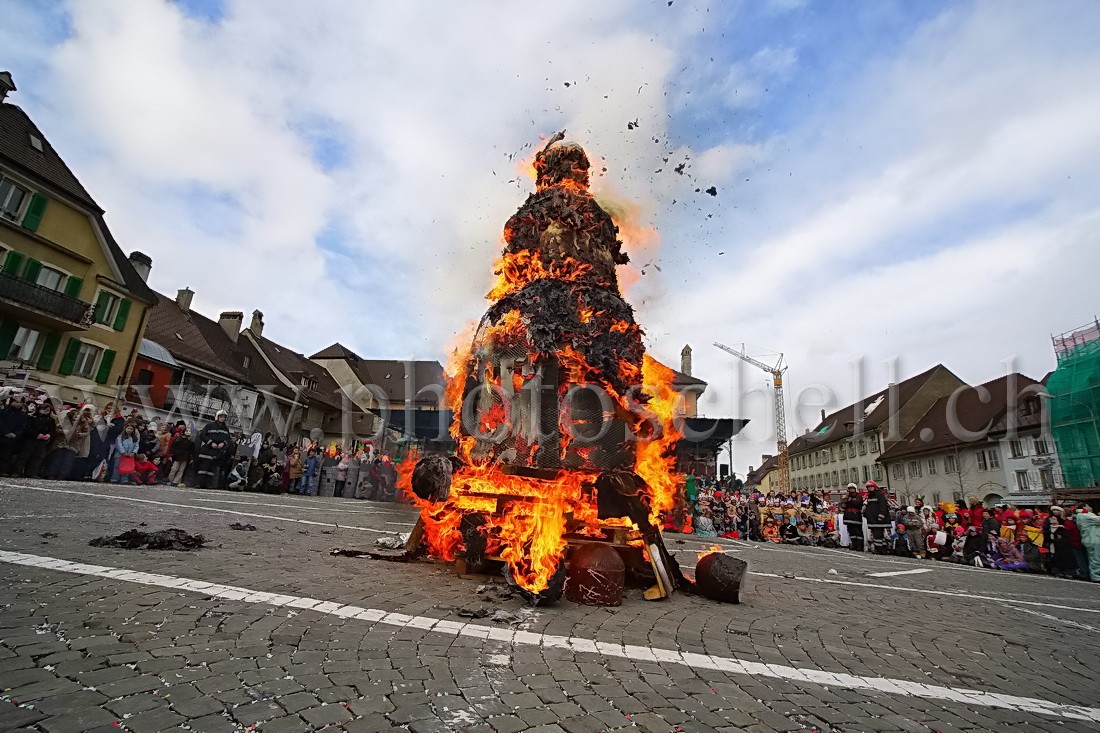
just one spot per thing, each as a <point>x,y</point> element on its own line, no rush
<point>565,426</point>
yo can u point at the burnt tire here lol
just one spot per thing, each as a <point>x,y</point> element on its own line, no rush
<point>549,595</point>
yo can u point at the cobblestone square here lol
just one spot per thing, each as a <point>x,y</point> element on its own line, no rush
<point>265,630</point>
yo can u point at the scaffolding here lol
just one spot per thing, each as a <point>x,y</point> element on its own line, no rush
<point>1074,404</point>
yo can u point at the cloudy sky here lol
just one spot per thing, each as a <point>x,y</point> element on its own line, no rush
<point>898,184</point>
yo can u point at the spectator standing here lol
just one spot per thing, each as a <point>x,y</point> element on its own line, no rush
<point>1089,524</point>
<point>853,518</point>
<point>341,474</point>
<point>212,443</point>
<point>41,428</point>
<point>876,510</point>
<point>181,450</point>
<point>310,470</point>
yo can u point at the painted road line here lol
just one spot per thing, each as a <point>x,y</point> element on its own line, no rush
<point>797,675</point>
<point>891,573</point>
<point>1058,621</point>
<point>953,594</point>
<point>200,508</point>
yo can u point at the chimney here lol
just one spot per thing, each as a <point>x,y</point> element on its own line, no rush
<point>6,84</point>
<point>822,414</point>
<point>257,326</point>
<point>143,263</point>
<point>231,322</point>
<point>183,299</point>
<point>685,360</point>
<point>767,457</point>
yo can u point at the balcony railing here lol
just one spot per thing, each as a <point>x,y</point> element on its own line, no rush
<point>45,300</point>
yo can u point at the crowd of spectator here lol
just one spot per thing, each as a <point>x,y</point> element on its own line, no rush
<point>87,443</point>
<point>1063,541</point>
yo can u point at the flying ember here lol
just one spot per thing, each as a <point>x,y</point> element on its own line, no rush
<point>565,426</point>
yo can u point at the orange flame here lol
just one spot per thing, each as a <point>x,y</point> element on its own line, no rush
<point>524,521</point>
<point>708,551</point>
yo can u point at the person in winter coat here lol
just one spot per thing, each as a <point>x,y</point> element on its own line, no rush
<point>69,439</point>
<point>126,446</point>
<point>295,471</point>
<point>1063,560</point>
<point>213,442</point>
<point>1089,524</point>
<point>1008,556</point>
<point>914,527</point>
<point>876,510</point>
<point>181,450</point>
<point>853,517</point>
<point>342,475</point>
<point>310,470</point>
<point>900,542</point>
<point>41,427</point>
<point>13,426</point>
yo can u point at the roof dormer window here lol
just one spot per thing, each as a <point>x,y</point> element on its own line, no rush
<point>36,143</point>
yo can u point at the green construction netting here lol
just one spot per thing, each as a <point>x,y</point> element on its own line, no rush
<point>1074,409</point>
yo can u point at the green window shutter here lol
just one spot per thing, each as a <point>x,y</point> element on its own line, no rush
<point>33,217</point>
<point>123,314</point>
<point>49,351</point>
<point>73,286</point>
<point>13,262</point>
<point>68,361</point>
<point>101,307</point>
<point>8,329</point>
<point>105,365</point>
<point>30,272</point>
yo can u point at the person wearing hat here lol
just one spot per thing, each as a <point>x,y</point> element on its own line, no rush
<point>213,442</point>
<point>876,510</point>
<point>853,518</point>
<point>913,527</point>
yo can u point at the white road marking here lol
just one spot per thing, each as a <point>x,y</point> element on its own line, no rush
<point>1058,620</point>
<point>200,508</point>
<point>890,573</point>
<point>800,675</point>
<point>952,594</point>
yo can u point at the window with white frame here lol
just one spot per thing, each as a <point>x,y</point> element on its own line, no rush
<point>951,464</point>
<point>1016,448</point>
<point>853,475</point>
<point>994,458</point>
<point>12,198</point>
<point>25,345</point>
<point>50,278</point>
<point>1042,447</point>
<point>86,360</point>
<point>836,478</point>
<point>914,469</point>
<point>832,453</point>
<point>862,447</point>
<point>931,466</point>
<point>874,443</point>
<point>106,307</point>
<point>1023,483</point>
<point>878,472</point>
<point>1046,478</point>
<point>852,450</point>
<point>866,473</point>
<point>979,456</point>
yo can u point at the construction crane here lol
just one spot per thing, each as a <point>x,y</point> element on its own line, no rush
<point>782,462</point>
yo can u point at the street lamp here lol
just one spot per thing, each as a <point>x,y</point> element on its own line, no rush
<point>1092,414</point>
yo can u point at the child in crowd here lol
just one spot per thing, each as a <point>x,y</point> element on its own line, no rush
<point>900,544</point>
<point>145,471</point>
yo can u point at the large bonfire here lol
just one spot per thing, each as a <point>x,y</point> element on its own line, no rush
<point>565,426</point>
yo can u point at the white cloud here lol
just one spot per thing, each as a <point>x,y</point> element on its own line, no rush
<point>919,208</point>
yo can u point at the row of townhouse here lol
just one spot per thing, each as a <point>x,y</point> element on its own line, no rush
<point>190,366</point>
<point>79,320</point>
<point>936,438</point>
